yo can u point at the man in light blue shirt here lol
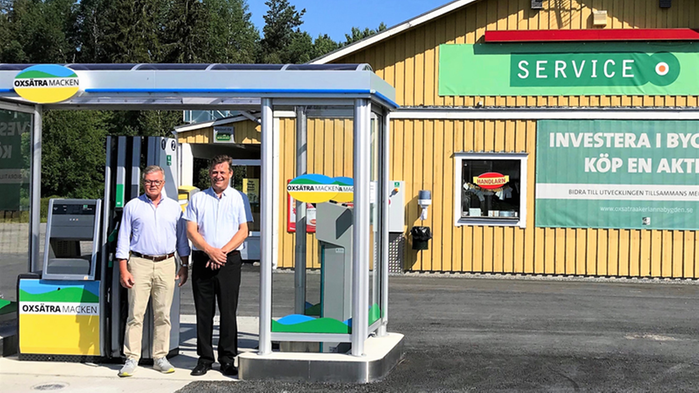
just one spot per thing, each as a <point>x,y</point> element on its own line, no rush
<point>150,233</point>
<point>217,224</point>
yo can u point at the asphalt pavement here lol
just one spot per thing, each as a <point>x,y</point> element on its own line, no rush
<point>518,334</point>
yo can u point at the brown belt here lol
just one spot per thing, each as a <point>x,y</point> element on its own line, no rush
<point>154,258</point>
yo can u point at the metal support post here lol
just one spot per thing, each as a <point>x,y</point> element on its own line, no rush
<point>35,190</point>
<point>300,256</point>
<point>385,188</point>
<point>266,229</point>
<point>361,230</point>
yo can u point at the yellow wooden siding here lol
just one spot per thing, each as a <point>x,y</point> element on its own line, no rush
<point>422,150</point>
<point>247,132</point>
<point>423,156</point>
<point>410,61</point>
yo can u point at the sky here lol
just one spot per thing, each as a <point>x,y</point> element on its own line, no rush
<point>337,17</point>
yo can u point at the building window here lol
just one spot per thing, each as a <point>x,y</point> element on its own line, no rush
<point>491,189</point>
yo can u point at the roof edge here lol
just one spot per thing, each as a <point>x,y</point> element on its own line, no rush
<point>397,29</point>
<point>210,123</point>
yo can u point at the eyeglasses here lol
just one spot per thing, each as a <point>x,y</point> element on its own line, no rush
<point>153,182</point>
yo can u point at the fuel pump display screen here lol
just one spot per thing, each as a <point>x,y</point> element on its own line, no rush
<point>74,209</point>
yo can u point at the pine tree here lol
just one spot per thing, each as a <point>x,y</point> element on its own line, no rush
<point>281,29</point>
<point>184,35</point>
<point>231,37</point>
<point>121,31</point>
<point>323,45</point>
<point>35,31</point>
<point>357,34</point>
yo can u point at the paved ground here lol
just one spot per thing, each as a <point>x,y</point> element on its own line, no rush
<point>14,257</point>
<point>481,334</point>
<point>476,334</point>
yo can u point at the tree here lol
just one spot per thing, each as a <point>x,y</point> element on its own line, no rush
<point>358,34</point>
<point>143,123</point>
<point>231,37</point>
<point>281,29</point>
<point>323,45</point>
<point>121,31</point>
<point>183,33</point>
<point>73,162</point>
<point>35,31</point>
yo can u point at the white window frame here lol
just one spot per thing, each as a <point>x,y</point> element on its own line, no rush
<point>490,221</point>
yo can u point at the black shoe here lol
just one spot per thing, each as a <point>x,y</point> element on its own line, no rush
<point>228,369</point>
<point>201,368</point>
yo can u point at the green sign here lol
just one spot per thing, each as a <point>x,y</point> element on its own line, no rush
<point>15,128</point>
<point>224,134</point>
<point>569,69</point>
<point>617,174</point>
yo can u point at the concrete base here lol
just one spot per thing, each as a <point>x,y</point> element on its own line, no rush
<point>382,354</point>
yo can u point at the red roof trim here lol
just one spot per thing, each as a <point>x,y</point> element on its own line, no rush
<point>593,35</point>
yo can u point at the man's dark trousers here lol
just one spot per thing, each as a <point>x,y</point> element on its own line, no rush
<point>223,285</point>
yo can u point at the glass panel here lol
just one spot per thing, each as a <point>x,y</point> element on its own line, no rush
<point>490,189</point>
<point>246,179</point>
<point>201,116</point>
<point>375,213</point>
<point>325,284</point>
<point>15,158</point>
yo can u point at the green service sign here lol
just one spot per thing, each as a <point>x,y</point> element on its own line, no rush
<point>617,174</point>
<point>569,69</point>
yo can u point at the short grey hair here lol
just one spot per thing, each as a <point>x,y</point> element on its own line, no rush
<point>152,168</point>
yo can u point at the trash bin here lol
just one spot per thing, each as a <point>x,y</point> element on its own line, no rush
<point>421,236</point>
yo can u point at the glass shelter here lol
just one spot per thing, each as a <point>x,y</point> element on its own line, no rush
<point>351,304</point>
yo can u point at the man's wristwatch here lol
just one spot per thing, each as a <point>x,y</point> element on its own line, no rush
<point>184,264</point>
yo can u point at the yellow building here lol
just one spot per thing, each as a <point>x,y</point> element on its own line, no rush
<point>557,138</point>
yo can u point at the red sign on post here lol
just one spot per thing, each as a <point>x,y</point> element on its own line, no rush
<point>291,215</point>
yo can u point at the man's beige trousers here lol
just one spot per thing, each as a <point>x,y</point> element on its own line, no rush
<point>156,281</point>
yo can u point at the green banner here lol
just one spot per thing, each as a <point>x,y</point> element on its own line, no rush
<point>569,69</point>
<point>617,174</point>
<point>15,130</point>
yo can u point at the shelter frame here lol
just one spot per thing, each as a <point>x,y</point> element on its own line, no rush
<point>244,88</point>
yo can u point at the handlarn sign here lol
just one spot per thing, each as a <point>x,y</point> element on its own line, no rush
<point>491,180</point>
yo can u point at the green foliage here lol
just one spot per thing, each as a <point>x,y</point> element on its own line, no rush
<point>143,31</point>
<point>183,32</point>
<point>323,45</point>
<point>35,31</point>
<point>74,165</point>
<point>357,34</point>
<point>281,29</point>
<point>230,35</point>
<point>143,123</point>
<point>120,31</point>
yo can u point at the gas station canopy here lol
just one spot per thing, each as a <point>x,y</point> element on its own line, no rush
<point>351,89</point>
<point>207,86</point>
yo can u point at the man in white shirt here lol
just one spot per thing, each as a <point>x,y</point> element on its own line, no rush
<point>217,224</point>
<point>150,232</point>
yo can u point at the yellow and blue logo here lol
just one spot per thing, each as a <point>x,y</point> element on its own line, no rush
<point>46,83</point>
<point>314,188</point>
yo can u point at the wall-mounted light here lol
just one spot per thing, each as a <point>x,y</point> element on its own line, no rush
<point>537,4</point>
